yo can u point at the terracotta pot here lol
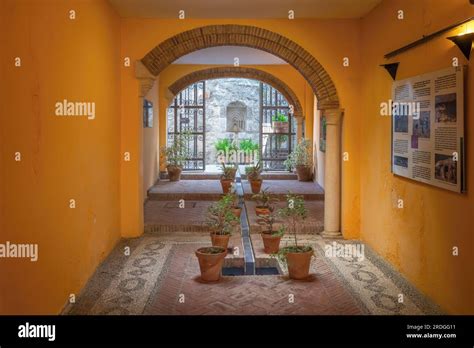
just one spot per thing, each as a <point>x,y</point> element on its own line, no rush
<point>298,264</point>
<point>210,264</point>
<point>271,244</point>
<point>220,240</point>
<point>262,210</point>
<point>237,211</point>
<point>304,173</point>
<point>256,185</point>
<point>174,172</point>
<point>280,127</point>
<point>226,184</point>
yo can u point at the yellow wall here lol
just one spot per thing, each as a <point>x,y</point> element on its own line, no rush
<point>285,73</point>
<point>150,144</point>
<point>329,41</point>
<point>63,158</point>
<point>418,239</point>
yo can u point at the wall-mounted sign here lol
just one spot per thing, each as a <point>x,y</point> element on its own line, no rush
<point>428,128</point>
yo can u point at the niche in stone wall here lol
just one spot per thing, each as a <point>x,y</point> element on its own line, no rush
<point>236,113</point>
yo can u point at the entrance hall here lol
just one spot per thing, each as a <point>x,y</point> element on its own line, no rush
<point>236,158</point>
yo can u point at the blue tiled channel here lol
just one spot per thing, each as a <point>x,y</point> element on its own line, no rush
<point>249,256</point>
<point>240,271</point>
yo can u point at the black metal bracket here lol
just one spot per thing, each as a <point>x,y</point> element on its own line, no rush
<point>426,38</point>
<point>392,69</point>
<point>464,42</point>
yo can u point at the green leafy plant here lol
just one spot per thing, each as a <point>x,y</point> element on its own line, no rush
<point>212,250</point>
<point>220,216</point>
<point>293,214</point>
<point>248,145</point>
<point>280,139</point>
<point>264,198</point>
<point>225,145</point>
<point>280,117</point>
<point>177,152</point>
<point>228,171</point>
<point>253,172</point>
<point>232,198</point>
<point>269,221</point>
<point>300,156</point>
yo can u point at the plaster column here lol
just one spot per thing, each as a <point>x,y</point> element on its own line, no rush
<point>146,81</point>
<point>332,174</point>
<point>299,128</point>
<point>131,172</point>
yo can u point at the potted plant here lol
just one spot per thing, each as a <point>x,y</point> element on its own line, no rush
<point>224,148</point>
<point>254,177</point>
<point>233,200</point>
<point>211,260</point>
<point>225,145</point>
<point>221,219</point>
<point>249,148</point>
<point>280,123</point>
<point>296,256</point>
<point>300,159</point>
<point>227,177</point>
<point>175,155</point>
<point>271,238</point>
<point>264,201</point>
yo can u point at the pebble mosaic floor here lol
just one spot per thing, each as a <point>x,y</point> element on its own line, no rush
<point>161,268</point>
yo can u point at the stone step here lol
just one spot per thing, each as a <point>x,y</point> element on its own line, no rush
<point>175,228</point>
<point>167,217</point>
<point>187,196</point>
<point>193,176</point>
<point>189,190</point>
<point>217,176</point>
<point>282,196</point>
<point>310,191</point>
<point>211,190</point>
<point>277,176</point>
<point>306,228</point>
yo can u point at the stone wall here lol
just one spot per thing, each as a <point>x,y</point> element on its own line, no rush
<point>219,94</point>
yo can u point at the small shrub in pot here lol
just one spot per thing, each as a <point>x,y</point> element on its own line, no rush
<point>296,256</point>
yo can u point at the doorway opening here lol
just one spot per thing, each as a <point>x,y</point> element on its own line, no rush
<point>244,120</point>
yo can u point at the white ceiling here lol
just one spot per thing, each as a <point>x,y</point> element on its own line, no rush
<point>244,8</point>
<point>224,55</point>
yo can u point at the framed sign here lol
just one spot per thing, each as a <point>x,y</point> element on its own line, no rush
<point>428,128</point>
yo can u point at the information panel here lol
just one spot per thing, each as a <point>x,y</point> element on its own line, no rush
<point>428,128</point>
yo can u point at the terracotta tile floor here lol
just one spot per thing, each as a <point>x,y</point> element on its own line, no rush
<point>310,190</point>
<point>211,189</point>
<point>188,189</point>
<point>166,216</point>
<point>322,294</point>
<point>314,223</point>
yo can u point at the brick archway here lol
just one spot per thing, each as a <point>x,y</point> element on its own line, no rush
<point>243,35</point>
<point>249,73</point>
<point>249,36</point>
